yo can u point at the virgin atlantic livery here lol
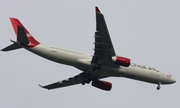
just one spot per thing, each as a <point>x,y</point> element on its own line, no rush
<point>103,63</point>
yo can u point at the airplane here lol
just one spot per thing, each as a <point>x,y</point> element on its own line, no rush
<point>103,63</point>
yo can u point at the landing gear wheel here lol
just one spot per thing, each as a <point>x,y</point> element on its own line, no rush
<point>158,87</point>
<point>86,81</point>
<point>83,83</point>
<point>97,67</point>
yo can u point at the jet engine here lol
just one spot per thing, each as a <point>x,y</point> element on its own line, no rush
<point>102,85</point>
<point>121,61</point>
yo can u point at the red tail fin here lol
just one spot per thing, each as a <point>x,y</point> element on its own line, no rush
<point>15,23</point>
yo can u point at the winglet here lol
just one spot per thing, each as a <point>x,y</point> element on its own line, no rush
<point>97,9</point>
<point>42,86</point>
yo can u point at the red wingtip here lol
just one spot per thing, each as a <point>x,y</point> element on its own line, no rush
<point>97,9</point>
<point>40,86</point>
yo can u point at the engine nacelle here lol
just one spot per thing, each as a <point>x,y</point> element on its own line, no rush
<point>121,61</point>
<point>102,85</point>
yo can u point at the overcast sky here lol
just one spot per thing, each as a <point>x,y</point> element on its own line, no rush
<point>146,31</point>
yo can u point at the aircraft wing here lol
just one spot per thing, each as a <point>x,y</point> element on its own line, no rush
<point>104,49</point>
<point>67,82</point>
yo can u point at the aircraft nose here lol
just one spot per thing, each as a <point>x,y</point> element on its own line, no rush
<point>170,80</point>
<point>173,80</point>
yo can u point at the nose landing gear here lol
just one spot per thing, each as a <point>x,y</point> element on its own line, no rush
<point>158,87</point>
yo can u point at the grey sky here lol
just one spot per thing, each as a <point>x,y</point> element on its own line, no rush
<point>146,31</point>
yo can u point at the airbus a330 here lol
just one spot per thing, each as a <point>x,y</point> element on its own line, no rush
<point>103,63</point>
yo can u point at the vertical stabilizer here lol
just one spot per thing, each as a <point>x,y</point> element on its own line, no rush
<point>23,35</point>
<point>24,38</point>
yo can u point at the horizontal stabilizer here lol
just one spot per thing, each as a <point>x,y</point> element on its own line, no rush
<point>11,47</point>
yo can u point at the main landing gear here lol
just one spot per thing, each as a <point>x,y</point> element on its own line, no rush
<point>158,87</point>
<point>86,81</point>
<point>97,67</point>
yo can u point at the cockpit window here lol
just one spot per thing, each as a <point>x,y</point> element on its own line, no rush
<point>169,75</point>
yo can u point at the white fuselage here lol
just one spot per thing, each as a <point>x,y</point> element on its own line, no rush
<point>82,61</point>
